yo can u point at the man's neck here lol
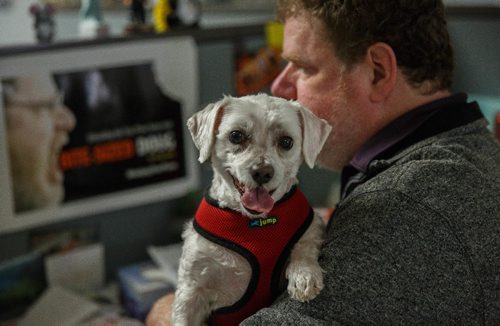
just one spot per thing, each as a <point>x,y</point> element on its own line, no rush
<point>405,98</point>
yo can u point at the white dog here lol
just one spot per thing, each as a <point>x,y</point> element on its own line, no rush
<point>253,223</point>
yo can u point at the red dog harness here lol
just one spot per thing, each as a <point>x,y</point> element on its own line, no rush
<point>265,242</point>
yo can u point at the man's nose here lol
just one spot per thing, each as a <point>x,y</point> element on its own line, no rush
<point>283,86</point>
<point>65,119</point>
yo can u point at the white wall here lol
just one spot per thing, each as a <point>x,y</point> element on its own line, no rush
<point>16,23</point>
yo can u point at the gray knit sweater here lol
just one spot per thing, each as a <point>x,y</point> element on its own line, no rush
<point>418,243</point>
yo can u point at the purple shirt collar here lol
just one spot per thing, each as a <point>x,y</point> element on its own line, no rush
<point>400,129</point>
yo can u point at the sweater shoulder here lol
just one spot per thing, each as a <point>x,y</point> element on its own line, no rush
<point>457,161</point>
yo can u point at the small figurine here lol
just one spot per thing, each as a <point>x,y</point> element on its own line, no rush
<point>171,14</point>
<point>137,23</point>
<point>44,21</point>
<point>161,11</point>
<point>137,12</point>
<point>91,22</point>
<point>189,12</point>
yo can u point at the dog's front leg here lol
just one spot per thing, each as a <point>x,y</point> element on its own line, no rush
<point>305,276</point>
<point>191,306</point>
<point>194,298</point>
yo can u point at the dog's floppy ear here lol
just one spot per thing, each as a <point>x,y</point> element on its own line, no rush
<point>203,126</point>
<point>315,131</point>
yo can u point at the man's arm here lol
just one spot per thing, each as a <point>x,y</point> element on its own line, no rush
<point>161,313</point>
<point>387,259</point>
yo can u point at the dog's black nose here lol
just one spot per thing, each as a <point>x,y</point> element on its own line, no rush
<point>263,174</point>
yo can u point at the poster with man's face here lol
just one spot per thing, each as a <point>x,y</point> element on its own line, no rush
<point>35,136</point>
<point>88,132</point>
<point>90,128</point>
<point>128,132</point>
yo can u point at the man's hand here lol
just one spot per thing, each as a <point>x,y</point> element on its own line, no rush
<point>161,313</point>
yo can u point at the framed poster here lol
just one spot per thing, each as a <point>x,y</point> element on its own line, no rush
<point>95,128</point>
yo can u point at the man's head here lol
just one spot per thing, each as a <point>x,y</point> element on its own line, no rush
<point>359,64</point>
<point>415,30</point>
<point>37,128</point>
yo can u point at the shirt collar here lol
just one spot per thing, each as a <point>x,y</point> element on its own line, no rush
<point>400,128</point>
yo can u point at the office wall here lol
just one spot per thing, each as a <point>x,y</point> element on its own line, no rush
<point>16,25</point>
<point>477,48</point>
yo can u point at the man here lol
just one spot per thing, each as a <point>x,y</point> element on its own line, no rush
<point>37,128</point>
<point>415,237</point>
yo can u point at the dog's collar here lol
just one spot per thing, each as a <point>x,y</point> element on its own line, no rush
<point>214,202</point>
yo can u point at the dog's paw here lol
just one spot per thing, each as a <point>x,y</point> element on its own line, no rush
<point>305,280</point>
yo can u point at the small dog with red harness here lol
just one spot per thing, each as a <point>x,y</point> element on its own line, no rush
<point>253,225</point>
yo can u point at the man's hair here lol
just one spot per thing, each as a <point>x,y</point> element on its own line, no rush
<point>416,31</point>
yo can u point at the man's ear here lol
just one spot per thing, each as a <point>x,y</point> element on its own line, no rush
<point>383,64</point>
<point>203,127</point>
<point>315,131</point>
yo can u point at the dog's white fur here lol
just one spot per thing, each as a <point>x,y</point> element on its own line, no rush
<point>211,276</point>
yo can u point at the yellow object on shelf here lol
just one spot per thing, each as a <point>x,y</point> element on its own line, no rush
<point>274,35</point>
<point>161,11</point>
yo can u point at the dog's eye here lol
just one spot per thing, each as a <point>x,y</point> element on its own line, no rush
<point>286,143</point>
<point>236,137</point>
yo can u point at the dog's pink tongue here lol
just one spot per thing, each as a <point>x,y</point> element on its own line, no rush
<point>258,199</point>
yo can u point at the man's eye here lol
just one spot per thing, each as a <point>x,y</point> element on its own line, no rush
<point>285,143</point>
<point>236,137</point>
<point>308,70</point>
